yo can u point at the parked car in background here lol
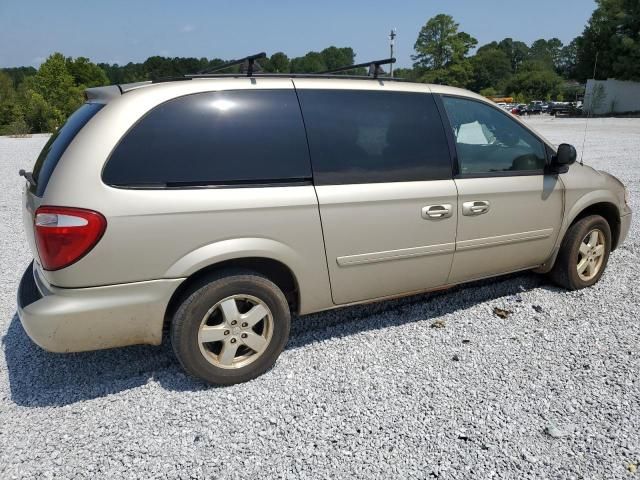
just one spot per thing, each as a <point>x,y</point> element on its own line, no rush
<point>559,108</point>
<point>520,109</point>
<point>218,207</point>
<point>534,108</point>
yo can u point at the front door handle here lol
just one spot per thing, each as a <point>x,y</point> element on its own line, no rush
<point>431,212</point>
<point>477,207</point>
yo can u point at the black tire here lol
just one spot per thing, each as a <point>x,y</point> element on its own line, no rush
<point>204,295</point>
<point>564,272</point>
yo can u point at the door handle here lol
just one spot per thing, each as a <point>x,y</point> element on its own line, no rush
<point>437,211</point>
<point>477,207</point>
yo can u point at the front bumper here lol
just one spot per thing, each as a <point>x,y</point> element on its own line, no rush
<point>625,225</point>
<point>82,319</point>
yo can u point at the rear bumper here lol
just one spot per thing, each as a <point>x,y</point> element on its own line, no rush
<point>82,319</point>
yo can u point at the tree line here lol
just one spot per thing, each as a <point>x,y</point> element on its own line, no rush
<point>40,100</point>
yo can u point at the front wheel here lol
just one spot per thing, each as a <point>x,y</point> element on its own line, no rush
<point>584,253</point>
<point>231,328</point>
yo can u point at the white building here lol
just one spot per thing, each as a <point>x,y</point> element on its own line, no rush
<point>611,96</point>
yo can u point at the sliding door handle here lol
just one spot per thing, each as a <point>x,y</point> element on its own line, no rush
<point>431,212</point>
<point>477,207</point>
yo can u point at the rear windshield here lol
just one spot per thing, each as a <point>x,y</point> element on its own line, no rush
<point>58,143</point>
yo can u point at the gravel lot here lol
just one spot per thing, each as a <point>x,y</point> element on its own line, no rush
<point>553,391</point>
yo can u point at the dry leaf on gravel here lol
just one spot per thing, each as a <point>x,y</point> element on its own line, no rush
<point>502,313</point>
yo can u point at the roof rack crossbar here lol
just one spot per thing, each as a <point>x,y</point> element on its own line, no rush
<point>374,67</point>
<point>250,62</point>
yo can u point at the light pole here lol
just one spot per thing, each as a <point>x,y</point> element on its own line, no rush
<point>392,37</point>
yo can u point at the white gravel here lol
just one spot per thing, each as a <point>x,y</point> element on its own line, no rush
<point>553,391</point>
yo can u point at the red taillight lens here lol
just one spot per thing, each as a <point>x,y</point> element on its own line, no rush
<point>65,235</point>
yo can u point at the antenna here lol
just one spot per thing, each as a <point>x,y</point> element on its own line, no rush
<point>248,66</point>
<point>374,67</point>
<point>586,123</point>
<point>392,37</point>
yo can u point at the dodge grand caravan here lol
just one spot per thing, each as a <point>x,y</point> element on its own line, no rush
<point>216,207</point>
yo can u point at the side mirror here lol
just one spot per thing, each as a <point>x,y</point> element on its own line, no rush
<point>566,155</point>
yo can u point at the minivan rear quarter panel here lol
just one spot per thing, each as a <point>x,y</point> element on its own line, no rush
<point>150,231</point>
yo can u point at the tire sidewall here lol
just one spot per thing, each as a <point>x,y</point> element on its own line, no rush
<point>189,318</point>
<point>582,229</point>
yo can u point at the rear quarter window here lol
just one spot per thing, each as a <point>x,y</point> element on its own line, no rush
<point>214,138</point>
<point>58,143</point>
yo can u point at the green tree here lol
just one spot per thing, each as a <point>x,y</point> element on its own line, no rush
<point>86,73</point>
<point>335,57</point>
<point>50,96</point>
<point>491,68</point>
<point>18,74</point>
<point>310,63</point>
<point>613,36</point>
<point>516,51</point>
<point>535,81</point>
<point>440,44</point>
<point>568,60</point>
<point>11,113</point>
<point>279,63</point>
<point>547,52</point>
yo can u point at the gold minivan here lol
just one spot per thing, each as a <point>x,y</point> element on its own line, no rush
<point>216,206</point>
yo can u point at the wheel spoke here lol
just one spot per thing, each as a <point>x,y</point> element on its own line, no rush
<point>229,310</point>
<point>228,353</point>
<point>254,315</point>
<point>582,266</point>
<point>599,250</point>
<point>593,238</point>
<point>255,342</point>
<point>211,334</point>
<point>584,248</point>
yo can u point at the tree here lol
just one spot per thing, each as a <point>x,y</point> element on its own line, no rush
<point>568,59</point>
<point>613,36</point>
<point>10,110</point>
<point>439,44</point>
<point>491,68</point>
<point>18,74</point>
<point>535,81</point>
<point>86,73</point>
<point>279,63</point>
<point>50,96</point>
<point>517,52</point>
<point>335,57</point>
<point>310,63</point>
<point>547,52</point>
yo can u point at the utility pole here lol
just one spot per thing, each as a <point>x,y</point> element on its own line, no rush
<point>392,37</point>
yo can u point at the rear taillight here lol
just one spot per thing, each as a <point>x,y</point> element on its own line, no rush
<point>65,235</point>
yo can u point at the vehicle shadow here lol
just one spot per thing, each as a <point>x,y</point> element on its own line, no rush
<point>38,378</point>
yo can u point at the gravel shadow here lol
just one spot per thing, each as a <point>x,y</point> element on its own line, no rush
<point>39,378</point>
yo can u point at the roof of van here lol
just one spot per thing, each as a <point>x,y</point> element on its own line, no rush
<point>106,93</point>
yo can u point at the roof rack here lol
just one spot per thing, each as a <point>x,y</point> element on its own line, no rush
<point>248,64</point>
<point>374,67</point>
<point>251,68</point>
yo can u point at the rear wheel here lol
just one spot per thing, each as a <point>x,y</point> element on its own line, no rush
<point>231,328</point>
<point>584,253</point>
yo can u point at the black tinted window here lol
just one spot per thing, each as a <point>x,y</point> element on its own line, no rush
<point>58,143</point>
<point>369,137</point>
<point>488,141</point>
<point>214,138</point>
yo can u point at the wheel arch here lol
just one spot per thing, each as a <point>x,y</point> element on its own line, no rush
<point>609,211</point>
<point>594,206</point>
<point>274,270</point>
